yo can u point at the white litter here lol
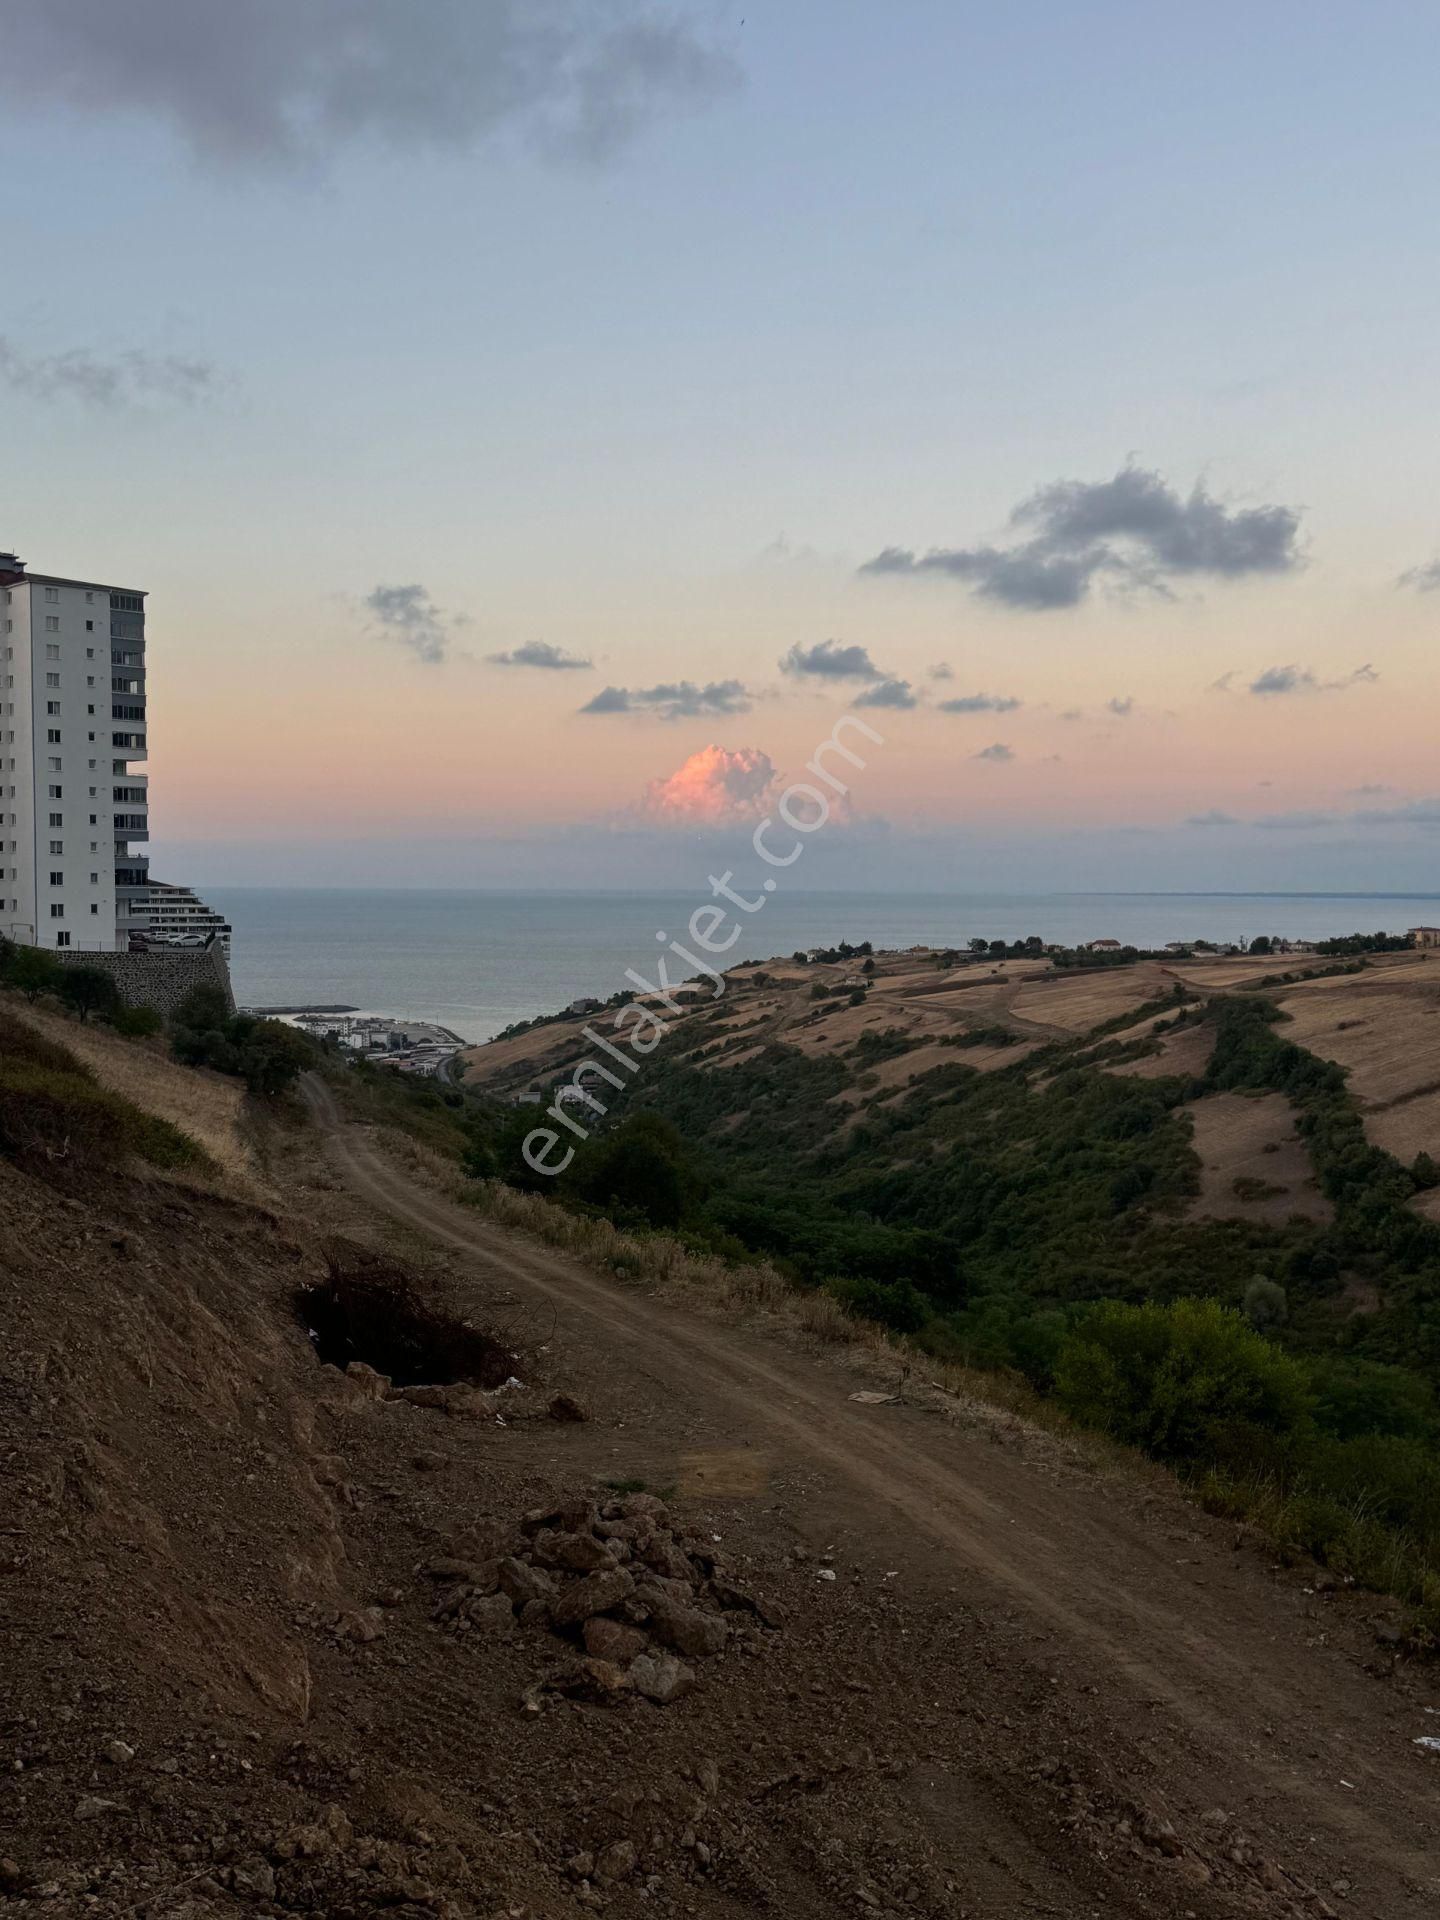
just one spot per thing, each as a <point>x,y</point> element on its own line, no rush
<point>826,1573</point>
<point>1429,1742</point>
<point>511,1382</point>
<point>868,1399</point>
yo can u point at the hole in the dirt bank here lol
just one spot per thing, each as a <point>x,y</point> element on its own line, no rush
<point>366,1309</point>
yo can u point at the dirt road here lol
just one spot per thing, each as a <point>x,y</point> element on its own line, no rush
<point>1199,1681</point>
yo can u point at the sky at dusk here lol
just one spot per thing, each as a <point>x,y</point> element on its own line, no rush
<point>536,423</point>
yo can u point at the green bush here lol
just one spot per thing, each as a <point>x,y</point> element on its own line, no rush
<point>136,1023</point>
<point>1185,1382</point>
<point>898,1305</point>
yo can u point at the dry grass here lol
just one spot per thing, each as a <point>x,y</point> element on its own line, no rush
<point>207,1106</point>
<point>1243,1137</point>
<point>1385,1031</point>
<point>1077,1002</point>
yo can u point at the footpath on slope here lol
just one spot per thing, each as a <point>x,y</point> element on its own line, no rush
<point>1209,1689</point>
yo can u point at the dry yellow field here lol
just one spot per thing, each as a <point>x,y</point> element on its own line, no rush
<point>1239,1137</point>
<point>1385,1030</point>
<point>1076,1002</point>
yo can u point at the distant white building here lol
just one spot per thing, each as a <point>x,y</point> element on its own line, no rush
<point>178,917</point>
<point>72,723</point>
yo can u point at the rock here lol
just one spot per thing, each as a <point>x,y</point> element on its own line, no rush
<point>91,1807</point>
<point>255,1878</point>
<point>596,1593</point>
<point>667,1557</point>
<point>737,1599</point>
<point>368,1384</point>
<point>565,1407</point>
<point>707,1775</point>
<point>482,1575</point>
<point>492,1612</point>
<point>419,1396</point>
<point>11,1876</point>
<point>118,1753</point>
<point>660,1677</point>
<point>580,1866</point>
<point>427,1462</point>
<point>365,1625</point>
<point>617,1861</point>
<point>688,1630</point>
<point>636,1506</point>
<point>577,1552</point>
<point>612,1640</point>
<point>535,1613</point>
<point>470,1403</point>
<point>524,1583</point>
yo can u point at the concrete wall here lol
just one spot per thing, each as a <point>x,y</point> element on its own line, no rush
<point>159,980</point>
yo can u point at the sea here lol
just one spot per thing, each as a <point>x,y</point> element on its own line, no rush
<point>478,962</point>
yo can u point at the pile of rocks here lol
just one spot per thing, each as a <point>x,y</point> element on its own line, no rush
<point>636,1592</point>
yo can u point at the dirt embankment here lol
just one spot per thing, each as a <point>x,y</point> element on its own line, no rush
<point>278,1641</point>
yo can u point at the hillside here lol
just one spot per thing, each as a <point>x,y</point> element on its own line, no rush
<point>676,1624</point>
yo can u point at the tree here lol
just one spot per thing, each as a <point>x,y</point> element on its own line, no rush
<point>1263,945</point>
<point>34,972</point>
<point>869,967</point>
<point>979,946</point>
<point>89,990</point>
<point>273,1056</point>
<point>203,1010</point>
<point>1266,1304</point>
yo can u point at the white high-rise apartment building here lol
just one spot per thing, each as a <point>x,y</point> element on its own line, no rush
<point>72,724</point>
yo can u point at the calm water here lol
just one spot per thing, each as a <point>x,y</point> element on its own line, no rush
<point>478,961</point>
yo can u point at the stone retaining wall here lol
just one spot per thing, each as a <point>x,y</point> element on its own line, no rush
<point>158,979</point>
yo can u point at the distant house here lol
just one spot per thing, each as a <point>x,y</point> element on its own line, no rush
<point>1102,946</point>
<point>1178,946</point>
<point>583,1005</point>
<point>1425,936</point>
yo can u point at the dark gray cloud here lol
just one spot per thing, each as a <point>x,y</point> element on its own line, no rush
<point>107,381</point>
<point>888,693</point>
<point>678,700</point>
<point>408,615</point>
<point>828,660</point>
<point>942,670</point>
<point>980,703</point>
<point>538,653</point>
<point>999,751</point>
<point>293,82</point>
<point>1423,579</point>
<point>1411,813</point>
<point>1214,818</point>
<point>1122,708</point>
<point>1135,530</point>
<point>1293,679</point>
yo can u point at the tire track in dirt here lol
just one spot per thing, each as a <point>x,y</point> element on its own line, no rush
<point>1236,1682</point>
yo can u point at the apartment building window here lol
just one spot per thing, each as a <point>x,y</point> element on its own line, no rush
<point>62,939</point>
<point>89,599</point>
<point>52,623</point>
<point>54,763</point>
<point>52,595</point>
<point>94,879</point>
<point>57,879</point>
<point>52,706</point>
<point>57,819</point>
<point>57,846</point>
<point>52,652</point>
<point>89,628</point>
<point>52,679</point>
<point>57,911</point>
<point>94,906</point>
<point>53,736</point>
<point>56,793</point>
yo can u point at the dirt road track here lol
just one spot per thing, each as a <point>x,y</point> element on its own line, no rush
<point>1246,1693</point>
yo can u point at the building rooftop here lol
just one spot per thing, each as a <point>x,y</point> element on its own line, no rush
<point>13,570</point>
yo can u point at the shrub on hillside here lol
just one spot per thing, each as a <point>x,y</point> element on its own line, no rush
<point>266,1054</point>
<point>898,1305</point>
<point>1185,1382</point>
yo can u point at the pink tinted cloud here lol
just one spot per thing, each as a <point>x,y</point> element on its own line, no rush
<point>716,786</point>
